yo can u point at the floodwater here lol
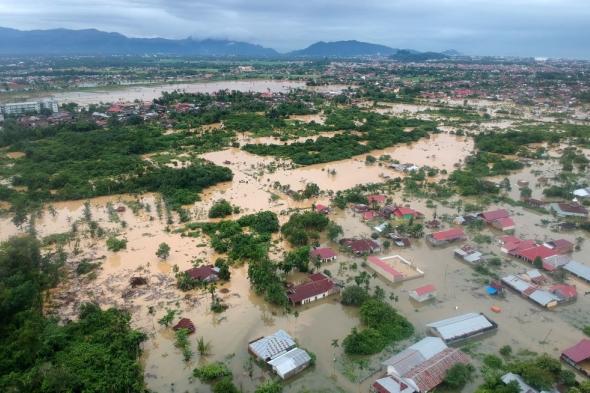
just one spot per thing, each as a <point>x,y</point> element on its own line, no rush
<point>151,92</point>
<point>522,324</point>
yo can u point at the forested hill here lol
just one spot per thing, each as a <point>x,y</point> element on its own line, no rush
<point>95,42</point>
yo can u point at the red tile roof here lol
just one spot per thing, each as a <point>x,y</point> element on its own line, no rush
<point>321,208</point>
<point>425,289</point>
<point>185,323</point>
<point>432,372</point>
<point>201,272</point>
<point>384,265</point>
<point>494,215</point>
<point>530,254</point>
<point>310,289</point>
<point>369,215</point>
<point>564,290</point>
<point>403,211</point>
<point>323,253</point>
<point>377,198</point>
<point>506,222</point>
<point>449,234</point>
<point>579,352</point>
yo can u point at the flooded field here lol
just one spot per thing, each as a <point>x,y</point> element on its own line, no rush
<point>522,324</point>
<point>150,92</point>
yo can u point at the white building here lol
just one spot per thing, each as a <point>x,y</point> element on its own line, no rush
<point>17,108</point>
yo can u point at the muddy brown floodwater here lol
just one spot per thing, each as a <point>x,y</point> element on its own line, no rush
<point>150,92</point>
<point>522,324</point>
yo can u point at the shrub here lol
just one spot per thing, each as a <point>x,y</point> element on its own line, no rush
<point>163,251</point>
<point>114,244</point>
<point>221,208</point>
<point>225,386</point>
<point>212,371</point>
<point>354,295</point>
<point>458,375</point>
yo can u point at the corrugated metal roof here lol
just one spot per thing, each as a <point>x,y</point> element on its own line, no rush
<point>516,283</point>
<point>272,346</point>
<point>415,355</point>
<point>578,269</point>
<point>286,363</point>
<point>542,297</point>
<point>462,325</point>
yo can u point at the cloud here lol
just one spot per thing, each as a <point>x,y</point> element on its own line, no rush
<point>557,28</point>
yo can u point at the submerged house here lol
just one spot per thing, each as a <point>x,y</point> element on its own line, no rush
<point>361,246</point>
<point>318,287</point>
<point>578,269</point>
<point>280,352</point>
<point>499,219</point>
<point>572,209</point>
<point>323,254</point>
<point>578,356</point>
<point>207,273</point>
<point>530,291</point>
<point>445,237</point>
<point>462,327</point>
<point>423,293</point>
<point>419,368</point>
<point>468,254</point>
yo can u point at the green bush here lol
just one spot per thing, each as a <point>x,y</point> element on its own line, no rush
<point>221,208</point>
<point>212,371</point>
<point>114,244</point>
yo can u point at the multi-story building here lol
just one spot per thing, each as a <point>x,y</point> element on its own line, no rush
<point>17,108</point>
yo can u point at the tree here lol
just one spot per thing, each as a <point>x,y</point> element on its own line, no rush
<point>163,251</point>
<point>221,208</point>
<point>458,375</point>
<point>334,230</point>
<point>538,262</point>
<point>353,295</point>
<point>335,345</point>
<point>222,265</point>
<point>525,192</point>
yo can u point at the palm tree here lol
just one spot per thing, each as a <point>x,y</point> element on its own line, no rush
<point>212,287</point>
<point>335,345</point>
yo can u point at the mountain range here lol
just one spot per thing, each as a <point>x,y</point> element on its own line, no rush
<point>96,42</point>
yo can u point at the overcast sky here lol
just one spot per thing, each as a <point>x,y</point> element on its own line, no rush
<point>553,28</point>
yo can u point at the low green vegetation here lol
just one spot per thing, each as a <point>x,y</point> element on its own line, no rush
<point>221,208</point>
<point>97,353</point>
<point>383,326</point>
<point>363,132</point>
<point>303,227</point>
<point>115,244</point>
<point>212,371</point>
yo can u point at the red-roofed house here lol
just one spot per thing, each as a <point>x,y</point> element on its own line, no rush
<point>494,215</point>
<point>324,254</point>
<point>432,372</point>
<point>530,254</point>
<point>185,323</point>
<point>499,219</point>
<point>566,293</point>
<point>322,209</point>
<point>504,224</point>
<point>376,199</point>
<point>361,246</point>
<point>423,293</point>
<point>447,236</point>
<point>561,246</point>
<point>206,273</point>
<point>407,213</point>
<point>367,216</point>
<point>385,269</point>
<point>578,356</point>
<point>318,287</point>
